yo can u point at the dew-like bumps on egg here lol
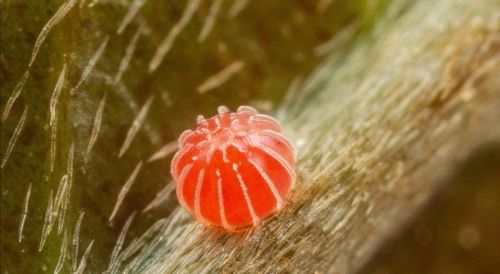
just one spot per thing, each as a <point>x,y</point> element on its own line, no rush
<point>234,169</point>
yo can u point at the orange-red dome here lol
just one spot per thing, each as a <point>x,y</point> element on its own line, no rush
<point>234,169</point>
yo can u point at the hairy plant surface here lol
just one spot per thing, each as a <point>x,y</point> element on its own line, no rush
<point>94,94</point>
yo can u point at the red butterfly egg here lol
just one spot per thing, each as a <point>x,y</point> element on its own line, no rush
<point>234,169</point>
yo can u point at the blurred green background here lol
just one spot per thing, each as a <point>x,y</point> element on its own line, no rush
<point>458,231</point>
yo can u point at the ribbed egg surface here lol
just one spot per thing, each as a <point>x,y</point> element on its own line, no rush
<point>234,169</point>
